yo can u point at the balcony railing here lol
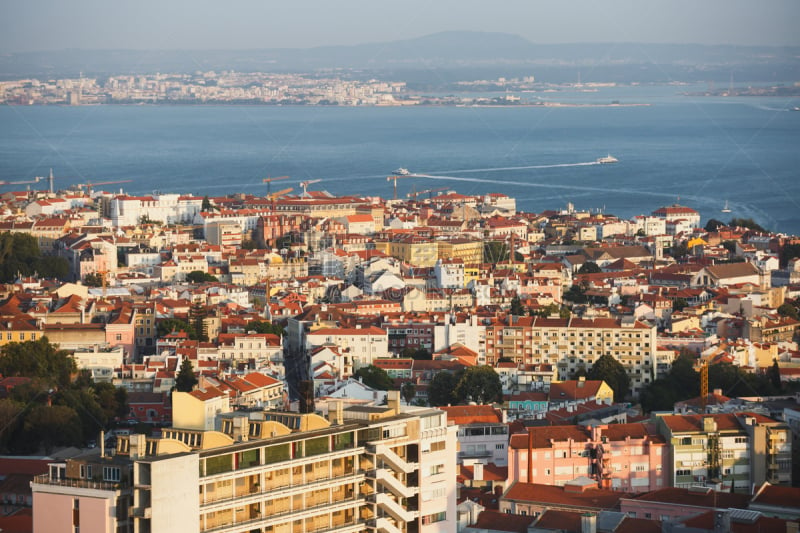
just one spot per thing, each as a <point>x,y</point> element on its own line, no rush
<point>45,479</point>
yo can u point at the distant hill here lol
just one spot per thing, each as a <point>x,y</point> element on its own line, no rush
<point>457,51</point>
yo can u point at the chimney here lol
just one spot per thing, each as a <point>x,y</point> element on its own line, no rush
<point>709,425</point>
<point>717,392</point>
<point>241,428</point>
<point>137,446</point>
<point>393,401</point>
<point>588,523</point>
<point>336,412</point>
<point>477,474</point>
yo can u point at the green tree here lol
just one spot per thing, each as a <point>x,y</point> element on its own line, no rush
<point>408,390</point>
<point>516,307</point>
<point>774,374</point>
<point>495,252</point>
<point>47,426</point>
<point>787,309</point>
<point>11,418</point>
<point>207,205</point>
<point>185,380</point>
<point>589,267</point>
<point>479,384</point>
<point>680,250</point>
<point>420,354</point>
<point>611,371</point>
<point>198,276</point>
<point>374,377</point>
<point>713,224</point>
<point>93,279</point>
<point>197,316</point>
<point>168,325</point>
<point>260,326</point>
<point>441,390</point>
<point>789,252</point>
<point>20,256</point>
<point>37,359</point>
<point>679,304</point>
<point>748,223</point>
<point>576,294</point>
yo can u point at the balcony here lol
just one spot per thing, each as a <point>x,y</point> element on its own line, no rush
<point>397,487</point>
<point>45,479</point>
<point>393,508</point>
<point>392,459</point>
<point>383,525</point>
<point>140,512</point>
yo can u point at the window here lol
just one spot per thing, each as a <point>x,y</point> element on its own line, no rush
<point>435,517</point>
<point>110,473</point>
<point>499,446</point>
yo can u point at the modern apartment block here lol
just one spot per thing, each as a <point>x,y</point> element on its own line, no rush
<point>733,450</point>
<point>623,457</point>
<point>378,469</point>
<point>575,343</point>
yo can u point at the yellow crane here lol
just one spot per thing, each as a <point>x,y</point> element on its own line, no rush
<point>269,180</point>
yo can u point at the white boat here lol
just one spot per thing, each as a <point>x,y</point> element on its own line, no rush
<point>726,209</point>
<point>401,172</point>
<point>607,159</point>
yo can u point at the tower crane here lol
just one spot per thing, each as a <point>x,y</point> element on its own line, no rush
<point>396,177</point>
<point>22,182</point>
<point>268,180</point>
<point>89,185</point>
<point>305,184</point>
<point>429,192</point>
<point>273,196</point>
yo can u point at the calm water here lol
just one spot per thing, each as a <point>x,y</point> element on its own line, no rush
<point>704,151</point>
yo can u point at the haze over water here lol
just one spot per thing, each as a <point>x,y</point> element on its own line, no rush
<point>701,152</point>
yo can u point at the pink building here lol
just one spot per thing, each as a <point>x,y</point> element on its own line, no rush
<point>624,457</point>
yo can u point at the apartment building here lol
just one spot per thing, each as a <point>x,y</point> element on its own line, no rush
<point>623,457</point>
<point>574,343</point>
<point>365,469</point>
<point>737,451</point>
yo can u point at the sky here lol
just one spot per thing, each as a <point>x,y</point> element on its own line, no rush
<point>30,25</point>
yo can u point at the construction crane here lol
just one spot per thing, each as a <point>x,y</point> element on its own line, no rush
<point>305,184</point>
<point>89,184</point>
<point>429,192</point>
<point>704,385</point>
<point>274,196</point>
<point>269,180</point>
<point>396,177</point>
<point>37,179</point>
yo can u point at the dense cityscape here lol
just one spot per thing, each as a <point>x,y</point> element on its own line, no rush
<point>434,362</point>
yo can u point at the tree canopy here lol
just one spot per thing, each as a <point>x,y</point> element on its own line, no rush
<point>168,325</point>
<point>198,276</point>
<point>59,406</point>
<point>611,371</point>
<point>37,359</point>
<point>589,267</point>
<point>441,390</point>
<point>479,384</point>
<point>374,377</point>
<point>260,326</point>
<point>20,256</point>
<point>748,223</point>
<point>185,380</point>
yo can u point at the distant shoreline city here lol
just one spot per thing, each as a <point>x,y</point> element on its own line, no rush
<point>258,88</point>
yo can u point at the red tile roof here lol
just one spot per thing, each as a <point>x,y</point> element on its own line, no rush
<point>497,521</point>
<point>590,499</point>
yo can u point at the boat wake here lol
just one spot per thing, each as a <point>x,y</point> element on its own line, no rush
<point>500,169</point>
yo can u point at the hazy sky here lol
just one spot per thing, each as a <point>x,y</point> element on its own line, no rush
<point>217,24</point>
